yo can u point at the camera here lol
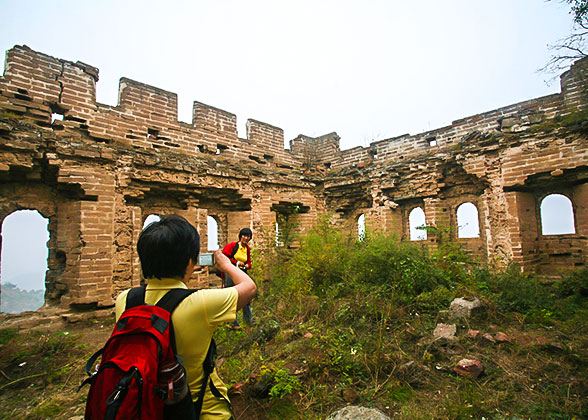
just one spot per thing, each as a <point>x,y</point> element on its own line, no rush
<point>206,259</point>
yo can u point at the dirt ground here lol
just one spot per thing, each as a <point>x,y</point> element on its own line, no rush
<point>42,366</point>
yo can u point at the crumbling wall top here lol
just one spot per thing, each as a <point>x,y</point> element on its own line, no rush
<point>145,117</point>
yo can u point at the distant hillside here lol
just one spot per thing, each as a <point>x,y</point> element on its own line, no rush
<point>15,300</point>
<point>32,280</point>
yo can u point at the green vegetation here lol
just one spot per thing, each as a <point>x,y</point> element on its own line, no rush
<point>7,334</point>
<point>342,321</point>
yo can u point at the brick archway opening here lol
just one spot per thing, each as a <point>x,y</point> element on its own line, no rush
<point>24,260</point>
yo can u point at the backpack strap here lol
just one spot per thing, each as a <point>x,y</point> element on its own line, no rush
<point>208,367</point>
<point>235,249</point>
<point>90,365</point>
<point>135,297</point>
<point>169,302</point>
<point>173,298</point>
<point>208,382</point>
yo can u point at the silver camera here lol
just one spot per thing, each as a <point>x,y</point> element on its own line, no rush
<point>206,259</point>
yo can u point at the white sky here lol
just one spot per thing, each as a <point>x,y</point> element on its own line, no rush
<point>369,70</point>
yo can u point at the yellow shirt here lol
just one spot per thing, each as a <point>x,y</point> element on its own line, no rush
<point>195,320</point>
<point>241,254</point>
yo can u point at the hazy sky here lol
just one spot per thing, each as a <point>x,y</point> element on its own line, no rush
<point>368,70</point>
<point>24,250</point>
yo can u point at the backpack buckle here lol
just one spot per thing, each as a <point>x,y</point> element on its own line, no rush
<point>114,396</point>
<point>121,387</point>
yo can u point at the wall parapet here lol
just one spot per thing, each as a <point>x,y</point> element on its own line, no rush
<point>513,118</point>
<point>145,117</point>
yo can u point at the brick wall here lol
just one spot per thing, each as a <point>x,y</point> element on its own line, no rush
<point>574,86</point>
<point>98,173</point>
<point>317,151</point>
<point>145,117</point>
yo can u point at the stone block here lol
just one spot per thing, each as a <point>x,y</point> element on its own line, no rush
<point>469,367</point>
<point>357,413</point>
<point>465,308</point>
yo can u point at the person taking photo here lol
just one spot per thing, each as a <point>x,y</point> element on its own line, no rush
<point>239,253</point>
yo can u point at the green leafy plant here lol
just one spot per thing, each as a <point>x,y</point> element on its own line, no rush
<point>284,384</point>
<point>512,289</point>
<point>354,321</point>
<point>574,284</point>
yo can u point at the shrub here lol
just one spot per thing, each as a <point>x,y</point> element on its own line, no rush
<point>512,290</point>
<point>333,266</point>
<point>434,300</point>
<point>280,382</point>
<point>574,284</point>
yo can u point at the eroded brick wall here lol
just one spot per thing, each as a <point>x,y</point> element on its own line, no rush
<point>98,173</point>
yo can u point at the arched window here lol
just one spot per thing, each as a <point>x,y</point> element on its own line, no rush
<point>278,238</point>
<point>24,261</point>
<point>212,233</point>
<point>416,220</point>
<point>150,219</point>
<point>467,221</point>
<point>361,227</point>
<point>557,215</point>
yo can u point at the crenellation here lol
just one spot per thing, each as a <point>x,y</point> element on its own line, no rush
<point>206,117</point>
<point>264,135</point>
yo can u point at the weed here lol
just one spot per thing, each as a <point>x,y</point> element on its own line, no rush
<point>48,410</point>
<point>575,118</point>
<point>511,289</point>
<point>574,284</point>
<point>14,115</point>
<point>283,409</point>
<point>55,343</point>
<point>6,334</point>
<point>284,384</point>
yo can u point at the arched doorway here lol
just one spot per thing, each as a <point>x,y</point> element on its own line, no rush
<point>361,227</point>
<point>212,233</point>
<point>468,225</point>
<point>23,261</point>
<point>557,215</point>
<point>416,223</point>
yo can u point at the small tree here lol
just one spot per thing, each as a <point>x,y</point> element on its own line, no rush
<point>574,46</point>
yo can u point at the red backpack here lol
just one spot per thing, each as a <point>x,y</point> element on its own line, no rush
<point>125,385</point>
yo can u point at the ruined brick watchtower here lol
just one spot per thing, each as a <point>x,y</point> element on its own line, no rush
<point>98,172</point>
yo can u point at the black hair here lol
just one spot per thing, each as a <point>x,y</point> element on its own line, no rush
<point>165,247</point>
<point>245,232</point>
